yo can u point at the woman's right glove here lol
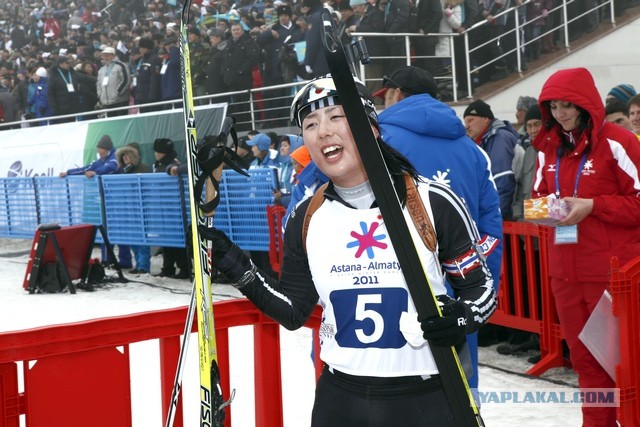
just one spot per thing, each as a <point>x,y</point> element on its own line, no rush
<point>230,260</point>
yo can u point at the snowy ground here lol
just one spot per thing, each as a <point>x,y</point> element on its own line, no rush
<point>497,373</point>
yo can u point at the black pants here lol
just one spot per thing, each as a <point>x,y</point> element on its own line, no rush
<point>347,401</point>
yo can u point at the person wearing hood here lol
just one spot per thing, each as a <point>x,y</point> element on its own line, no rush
<point>429,133</point>
<point>592,165</point>
<point>129,161</point>
<point>499,140</point>
<point>286,176</point>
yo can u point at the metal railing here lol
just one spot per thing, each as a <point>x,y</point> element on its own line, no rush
<point>261,107</point>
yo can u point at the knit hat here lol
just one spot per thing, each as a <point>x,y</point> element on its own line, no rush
<point>301,155</point>
<point>409,79</point>
<point>105,143</point>
<point>624,92</point>
<point>479,108</point>
<point>533,113</point>
<point>163,145</point>
<point>261,140</point>
<point>525,102</point>
<point>41,72</point>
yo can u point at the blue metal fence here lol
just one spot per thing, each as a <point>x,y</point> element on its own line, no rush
<point>141,209</point>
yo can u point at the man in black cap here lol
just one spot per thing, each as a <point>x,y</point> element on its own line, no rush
<point>146,76</point>
<point>429,133</point>
<point>272,40</point>
<point>214,83</point>
<point>404,82</point>
<point>499,140</point>
<point>63,92</point>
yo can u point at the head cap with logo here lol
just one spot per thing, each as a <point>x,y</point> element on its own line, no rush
<point>261,140</point>
<point>479,108</point>
<point>284,10</point>
<point>105,143</point>
<point>320,93</point>
<point>411,80</point>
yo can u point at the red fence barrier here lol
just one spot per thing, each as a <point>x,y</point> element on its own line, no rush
<point>625,293</point>
<point>78,374</point>
<point>525,301</point>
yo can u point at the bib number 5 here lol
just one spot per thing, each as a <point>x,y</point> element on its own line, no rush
<point>369,317</point>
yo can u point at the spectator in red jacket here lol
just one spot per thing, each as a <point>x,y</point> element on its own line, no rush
<point>593,165</point>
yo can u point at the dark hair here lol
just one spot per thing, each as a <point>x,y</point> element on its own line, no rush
<point>614,105</point>
<point>584,124</point>
<point>635,100</point>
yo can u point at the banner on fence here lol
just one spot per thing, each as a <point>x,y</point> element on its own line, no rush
<point>48,150</point>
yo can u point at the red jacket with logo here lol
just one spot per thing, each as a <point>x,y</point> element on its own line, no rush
<point>610,177</point>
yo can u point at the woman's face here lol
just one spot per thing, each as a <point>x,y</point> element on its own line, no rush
<point>566,114</point>
<point>285,147</point>
<point>328,138</point>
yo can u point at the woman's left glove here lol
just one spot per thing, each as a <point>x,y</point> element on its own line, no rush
<point>451,328</point>
<point>230,260</point>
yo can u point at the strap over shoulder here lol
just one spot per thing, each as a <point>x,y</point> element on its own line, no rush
<point>419,215</point>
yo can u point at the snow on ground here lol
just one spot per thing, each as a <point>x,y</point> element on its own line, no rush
<point>497,372</point>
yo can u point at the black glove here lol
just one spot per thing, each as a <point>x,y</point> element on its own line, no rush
<point>227,257</point>
<point>451,328</point>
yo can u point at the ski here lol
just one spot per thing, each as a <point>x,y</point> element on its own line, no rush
<point>212,403</point>
<point>177,383</point>
<point>455,385</point>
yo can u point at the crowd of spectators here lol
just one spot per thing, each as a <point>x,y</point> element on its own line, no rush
<point>53,48</point>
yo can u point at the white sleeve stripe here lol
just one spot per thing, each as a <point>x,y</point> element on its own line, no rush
<point>624,162</point>
<point>501,174</point>
<point>461,209</point>
<point>273,291</point>
<point>538,178</point>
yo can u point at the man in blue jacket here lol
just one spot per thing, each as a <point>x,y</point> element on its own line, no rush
<point>429,133</point>
<point>499,140</point>
<point>105,164</point>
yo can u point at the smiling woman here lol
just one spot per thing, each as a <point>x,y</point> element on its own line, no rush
<point>374,346</point>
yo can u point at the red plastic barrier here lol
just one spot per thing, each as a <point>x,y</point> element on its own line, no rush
<point>78,374</point>
<point>625,293</point>
<point>525,301</point>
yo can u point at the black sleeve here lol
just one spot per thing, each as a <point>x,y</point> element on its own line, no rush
<point>291,300</point>
<point>462,261</point>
